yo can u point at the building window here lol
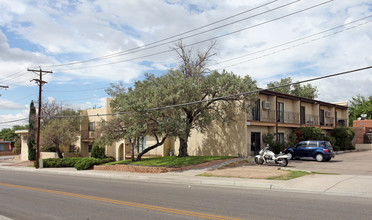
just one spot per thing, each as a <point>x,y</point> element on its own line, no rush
<point>72,148</point>
<point>321,117</point>
<point>281,138</point>
<point>90,148</point>
<point>2,147</point>
<point>303,115</point>
<point>256,111</point>
<point>92,126</point>
<point>141,144</point>
<point>280,112</point>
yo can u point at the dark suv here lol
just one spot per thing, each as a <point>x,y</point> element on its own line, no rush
<point>319,150</point>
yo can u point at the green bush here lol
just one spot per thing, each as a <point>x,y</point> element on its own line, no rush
<point>60,162</point>
<point>275,146</point>
<point>48,149</point>
<point>308,133</point>
<point>98,152</point>
<point>343,138</point>
<point>80,163</point>
<point>86,163</point>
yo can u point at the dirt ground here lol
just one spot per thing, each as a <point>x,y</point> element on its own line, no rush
<point>248,170</point>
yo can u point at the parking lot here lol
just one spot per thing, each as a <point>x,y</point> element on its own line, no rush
<point>352,163</point>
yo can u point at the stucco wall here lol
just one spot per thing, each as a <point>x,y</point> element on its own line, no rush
<point>363,146</point>
<point>219,139</point>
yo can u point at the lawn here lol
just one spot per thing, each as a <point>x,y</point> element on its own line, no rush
<point>171,161</point>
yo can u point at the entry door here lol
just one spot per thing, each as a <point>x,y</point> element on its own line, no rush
<point>255,143</point>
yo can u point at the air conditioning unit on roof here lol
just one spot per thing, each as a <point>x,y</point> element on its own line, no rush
<point>266,105</point>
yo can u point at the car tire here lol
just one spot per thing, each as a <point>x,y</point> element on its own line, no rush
<point>319,157</point>
<point>290,156</point>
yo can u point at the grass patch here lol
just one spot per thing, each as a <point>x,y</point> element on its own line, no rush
<point>171,161</point>
<point>325,173</point>
<point>292,174</point>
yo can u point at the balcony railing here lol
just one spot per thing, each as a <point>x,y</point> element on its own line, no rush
<point>269,116</point>
<point>89,135</point>
<point>289,117</point>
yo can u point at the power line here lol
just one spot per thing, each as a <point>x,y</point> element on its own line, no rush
<point>203,41</point>
<point>15,75</point>
<point>136,49</point>
<point>224,97</point>
<point>263,50</point>
<point>8,122</point>
<point>294,46</point>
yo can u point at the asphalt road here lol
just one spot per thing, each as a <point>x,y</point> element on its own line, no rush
<point>26,195</point>
<point>353,163</point>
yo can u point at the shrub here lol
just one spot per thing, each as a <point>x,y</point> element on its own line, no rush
<point>48,149</point>
<point>308,133</point>
<point>80,163</point>
<point>17,147</point>
<point>276,146</point>
<point>58,162</point>
<point>343,138</point>
<point>86,163</point>
<point>98,152</point>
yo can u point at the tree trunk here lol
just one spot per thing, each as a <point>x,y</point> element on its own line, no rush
<point>131,149</point>
<point>183,147</point>
<point>150,148</point>
<point>59,153</point>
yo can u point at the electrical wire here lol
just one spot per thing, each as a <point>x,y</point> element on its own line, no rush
<point>162,40</point>
<point>9,122</point>
<point>302,38</point>
<point>225,97</point>
<point>284,49</point>
<point>203,41</point>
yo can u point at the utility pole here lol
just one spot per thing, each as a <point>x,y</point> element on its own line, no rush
<point>40,82</point>
<point>4,87</point>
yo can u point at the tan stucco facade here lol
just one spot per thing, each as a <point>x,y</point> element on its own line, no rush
<point>120,149</point>
<point>245,136</point>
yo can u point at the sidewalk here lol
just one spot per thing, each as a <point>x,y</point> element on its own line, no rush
<point>346,185</point>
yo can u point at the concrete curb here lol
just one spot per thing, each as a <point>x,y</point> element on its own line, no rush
<point>341,185</point>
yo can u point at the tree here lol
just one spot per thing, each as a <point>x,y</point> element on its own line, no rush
<point>188,83</point>
<point>31,136</point>
<point>358,106</point>
<point>306,91</point>
<point>343,138</point>
<point>137,121</point>
<point>60,129</point>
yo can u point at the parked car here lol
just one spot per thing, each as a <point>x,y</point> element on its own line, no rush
<point>319,150</point>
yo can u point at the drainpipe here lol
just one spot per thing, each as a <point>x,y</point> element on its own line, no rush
<point>276,118</point>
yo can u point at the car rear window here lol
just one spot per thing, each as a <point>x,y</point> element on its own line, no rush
<point>328,144</point>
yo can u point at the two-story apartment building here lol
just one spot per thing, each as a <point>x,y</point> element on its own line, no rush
<point>272,112</point>
<point>120,149</point>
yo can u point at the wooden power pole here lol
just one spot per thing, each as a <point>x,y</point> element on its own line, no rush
<point>40,82</point>
<point>4,87</point>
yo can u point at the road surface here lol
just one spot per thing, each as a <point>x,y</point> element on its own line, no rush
<point>26,195</point>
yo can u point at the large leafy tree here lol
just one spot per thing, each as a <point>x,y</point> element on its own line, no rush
<point>60,129</point>
<point>306,91</point>
<point>208,92</point>
<point>360,105</point>
<point>136,120</point>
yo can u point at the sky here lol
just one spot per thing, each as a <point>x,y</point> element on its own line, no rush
<point>90,44</point>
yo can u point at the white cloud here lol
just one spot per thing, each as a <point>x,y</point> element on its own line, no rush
<point>68,31</point>
<point>9,120</point>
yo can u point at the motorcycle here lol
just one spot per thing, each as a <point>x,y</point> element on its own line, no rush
<point>267,156</point>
